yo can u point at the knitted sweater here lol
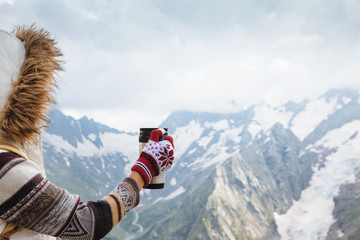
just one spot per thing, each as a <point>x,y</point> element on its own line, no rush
<point>31,201</point>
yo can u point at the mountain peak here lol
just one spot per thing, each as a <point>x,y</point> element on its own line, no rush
<point>344,95</point>
<point>74,131</point>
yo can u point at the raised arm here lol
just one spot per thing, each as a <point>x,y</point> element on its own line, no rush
<point>31,201</point>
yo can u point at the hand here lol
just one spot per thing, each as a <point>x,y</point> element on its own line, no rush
<point>156,157</point>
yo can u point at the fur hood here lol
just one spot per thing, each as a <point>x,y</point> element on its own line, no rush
<point>29,60</point>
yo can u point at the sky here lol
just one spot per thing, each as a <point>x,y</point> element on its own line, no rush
<point>131,63</point>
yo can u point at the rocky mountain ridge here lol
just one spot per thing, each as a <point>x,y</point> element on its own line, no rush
<point>236,176</point>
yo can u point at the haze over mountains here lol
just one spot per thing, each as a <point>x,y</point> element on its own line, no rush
<point>290,172</point>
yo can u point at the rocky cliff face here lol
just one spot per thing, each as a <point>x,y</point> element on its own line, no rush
<point>347,212</point>
<point>262,179</point>
<point>238,199</point>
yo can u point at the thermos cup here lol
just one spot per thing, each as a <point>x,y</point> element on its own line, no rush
<point>157,182</point>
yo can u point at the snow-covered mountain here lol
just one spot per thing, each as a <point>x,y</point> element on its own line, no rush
<point>289,172</point>
<point>86,157</point>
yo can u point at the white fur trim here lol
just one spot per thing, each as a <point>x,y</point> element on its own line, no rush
<point>12,56</point>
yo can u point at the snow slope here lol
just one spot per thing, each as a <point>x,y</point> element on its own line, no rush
<point>311,216</point>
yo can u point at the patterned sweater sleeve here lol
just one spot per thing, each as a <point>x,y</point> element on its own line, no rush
<point>31,201</point>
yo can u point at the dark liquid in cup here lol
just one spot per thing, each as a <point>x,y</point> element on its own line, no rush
<point>144,134</point>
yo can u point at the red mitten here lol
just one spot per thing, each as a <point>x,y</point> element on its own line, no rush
<point>157,156</point>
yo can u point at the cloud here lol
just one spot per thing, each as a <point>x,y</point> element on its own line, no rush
<point>6,1</point>
<point>153,57</point>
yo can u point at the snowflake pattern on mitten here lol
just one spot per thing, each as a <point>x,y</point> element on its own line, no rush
<point>162,152</point>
